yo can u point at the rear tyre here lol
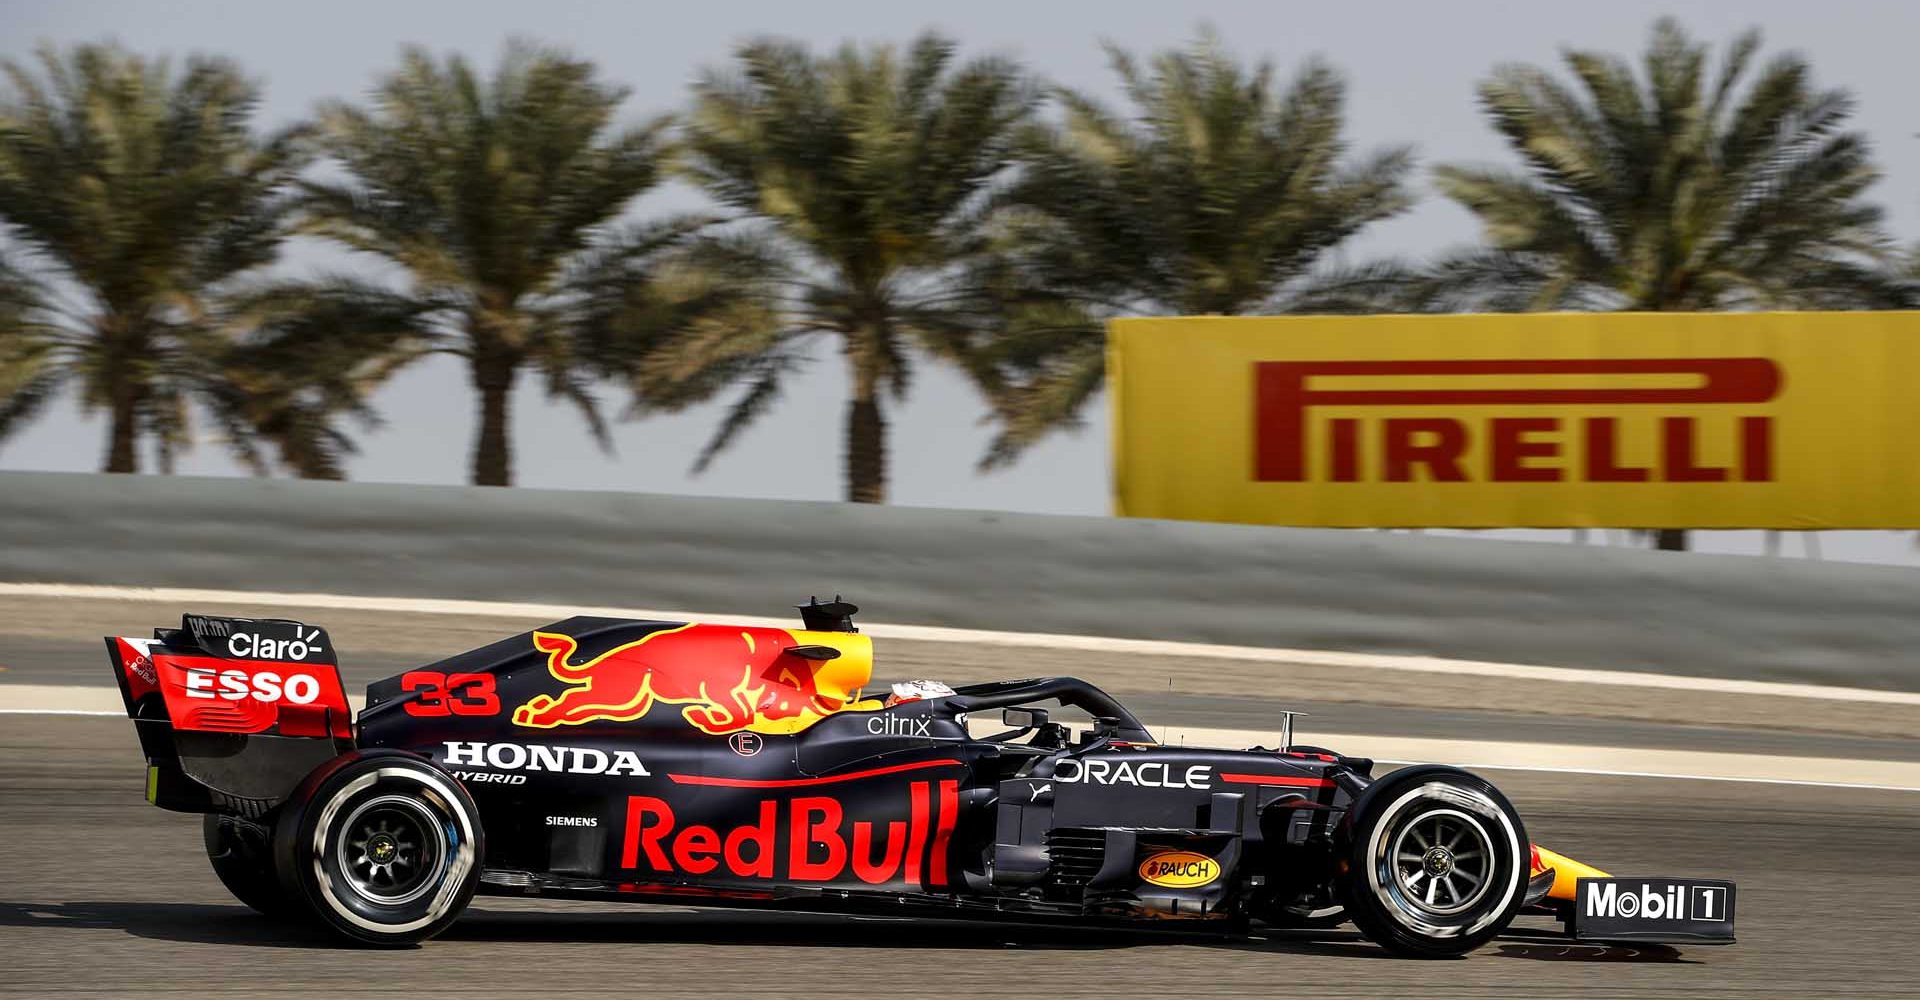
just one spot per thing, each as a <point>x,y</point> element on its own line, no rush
<point>241,853</point>
<point>383,847</point>
<point>1437,862</point>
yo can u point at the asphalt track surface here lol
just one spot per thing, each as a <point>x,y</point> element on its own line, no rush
<point>103,895</point>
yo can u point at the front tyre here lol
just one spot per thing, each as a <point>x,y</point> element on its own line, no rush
<point>1437,862</point>
<point>383,847</point>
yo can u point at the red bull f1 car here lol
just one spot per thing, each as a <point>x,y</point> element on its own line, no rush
<point>748,766</point>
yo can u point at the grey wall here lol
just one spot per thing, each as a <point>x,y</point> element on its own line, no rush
<point>1510,601</point>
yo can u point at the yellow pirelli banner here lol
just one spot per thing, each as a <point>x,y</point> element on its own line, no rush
<point>1643,420</point>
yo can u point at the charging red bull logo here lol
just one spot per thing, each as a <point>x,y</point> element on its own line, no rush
<point>1516,449</point>
<point>729,678</point>
<point>809,838</point>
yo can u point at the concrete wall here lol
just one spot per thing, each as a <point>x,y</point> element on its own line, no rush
<point>1516,602</point>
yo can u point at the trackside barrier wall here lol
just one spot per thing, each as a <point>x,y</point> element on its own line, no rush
<point>1516,602</point>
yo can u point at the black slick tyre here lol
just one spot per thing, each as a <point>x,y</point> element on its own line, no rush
<point>1436,862</point>
<point>382,847</point>
<point>241,854</point>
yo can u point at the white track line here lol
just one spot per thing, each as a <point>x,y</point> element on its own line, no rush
<point>1551,758</point>
<point>1563,758</point>
<point>1597,772</point>
<point>82,699</point>
<point>978,637</point>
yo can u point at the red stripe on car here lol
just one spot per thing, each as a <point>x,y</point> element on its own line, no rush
<point>1277,779</point>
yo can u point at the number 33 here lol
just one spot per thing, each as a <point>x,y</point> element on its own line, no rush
<point>450,694</point>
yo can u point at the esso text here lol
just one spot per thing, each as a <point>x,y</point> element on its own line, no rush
<point>265,685</point>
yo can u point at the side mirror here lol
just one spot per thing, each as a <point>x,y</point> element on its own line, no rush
<point>1024,718</point>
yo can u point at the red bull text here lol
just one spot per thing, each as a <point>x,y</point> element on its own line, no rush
<point>808,838</point>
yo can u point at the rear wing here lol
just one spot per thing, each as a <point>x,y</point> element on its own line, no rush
<point>231,712</point>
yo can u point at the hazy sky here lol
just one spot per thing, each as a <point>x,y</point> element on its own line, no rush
<point>1411,67</point>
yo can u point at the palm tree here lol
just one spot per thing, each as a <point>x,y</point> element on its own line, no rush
<point>1679,191</point>
<point>859,180</point>
<point>1222,192</point>
<point>28,375</point>
<point>500,201</point>
<point>146,193</point>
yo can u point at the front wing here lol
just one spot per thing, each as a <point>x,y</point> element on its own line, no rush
<point>1666,910</point>
<point>1596,906</point>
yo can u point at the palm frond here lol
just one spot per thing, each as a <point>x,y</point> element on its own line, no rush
<point>763,390</point>
<point>30,371</point>
<point>1675,188</point>
<point>1221,189</point>
<point>304,355</point>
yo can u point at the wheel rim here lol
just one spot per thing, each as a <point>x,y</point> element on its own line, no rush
<point>1442,862</point>
<point>391,850</point>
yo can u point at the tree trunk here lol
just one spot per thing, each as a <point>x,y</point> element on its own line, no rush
<point>866,442</point>
<point>1665,539</point>
<point>493,376</point>
<point>123,434</point>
